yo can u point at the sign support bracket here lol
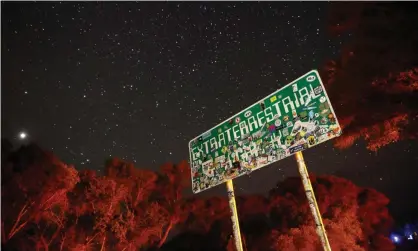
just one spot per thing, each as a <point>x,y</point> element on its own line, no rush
<point>307,186</point>
<point>234,215</point>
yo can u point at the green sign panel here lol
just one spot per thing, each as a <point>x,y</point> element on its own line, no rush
<point>294,118</point>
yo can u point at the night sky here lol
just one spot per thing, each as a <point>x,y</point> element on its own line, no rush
<point>140,80</point>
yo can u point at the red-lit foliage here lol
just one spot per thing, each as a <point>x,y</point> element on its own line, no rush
<point>47,205</point>
<point>374,83</point>
<point>343,211</point>
<point>35,185</point>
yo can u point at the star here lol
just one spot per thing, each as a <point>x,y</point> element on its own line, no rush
<point>23,135</point>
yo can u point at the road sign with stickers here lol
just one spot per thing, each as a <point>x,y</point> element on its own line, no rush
<point>293,118</point>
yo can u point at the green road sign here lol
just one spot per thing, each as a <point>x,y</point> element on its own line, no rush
<point>294,118</point>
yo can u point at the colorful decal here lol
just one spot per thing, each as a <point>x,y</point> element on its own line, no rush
<point>292,119</point>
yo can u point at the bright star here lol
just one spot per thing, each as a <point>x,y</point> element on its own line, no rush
<point>23,135</point>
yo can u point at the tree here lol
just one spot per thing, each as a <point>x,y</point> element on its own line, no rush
<point>343,231</point>
<point>173,181</point>
<point>51,206</point>
<point>374,83</point>
<point>35,186</point>
<point>139,182</point>
<point>98,207</point>
<point>204,213</point>
<point>303,239</point>
<point>353,216</point>
<point>375,219</point>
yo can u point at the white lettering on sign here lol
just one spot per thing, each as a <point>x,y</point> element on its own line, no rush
<point>252,122</point>
<point>213,143</point>
<point>260,118</point>
<point>269,114</point>
<point>286,103</point>
<point>235,131</point>
<point>301,96</point>
<point>243,128</point>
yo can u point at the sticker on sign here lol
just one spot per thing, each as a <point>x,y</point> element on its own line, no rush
<point>294,118</point>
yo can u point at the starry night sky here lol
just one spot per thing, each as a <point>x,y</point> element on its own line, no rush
<point>139,80</point>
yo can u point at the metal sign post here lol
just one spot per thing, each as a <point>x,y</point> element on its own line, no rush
<point>320,229</point>
<point>234,215</point>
